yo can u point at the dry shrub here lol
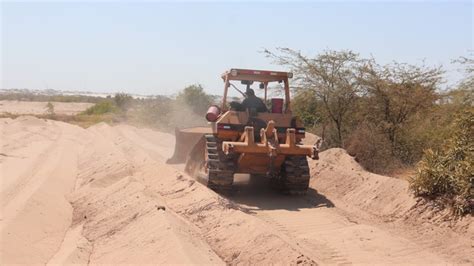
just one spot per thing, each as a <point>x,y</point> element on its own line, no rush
<point>123,100</point>
<point>103,107</point>
<point>447,174</point>
<point>371,149</point>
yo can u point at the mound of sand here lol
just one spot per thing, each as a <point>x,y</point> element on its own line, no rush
<point>388,201</point>
<point>337,173</point>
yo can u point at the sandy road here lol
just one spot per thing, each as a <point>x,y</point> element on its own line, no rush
<point>38,166</point>
<point>105,195</point>
<point>323,232</point>
<point>329,235</point>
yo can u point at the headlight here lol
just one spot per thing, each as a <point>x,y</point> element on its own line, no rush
<point>233,72</point>
<point>290,75</point>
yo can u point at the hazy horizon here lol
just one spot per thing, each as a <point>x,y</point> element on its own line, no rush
<point>159,48</point>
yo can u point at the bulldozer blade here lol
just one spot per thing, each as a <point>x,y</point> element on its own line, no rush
<point>186,139</point>
<point>195,158</point>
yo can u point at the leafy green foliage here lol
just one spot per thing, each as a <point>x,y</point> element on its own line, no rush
<point>395,94</point>
<point>123,101</point>
<point>305,106</point>
<point>448,172</point>
<point>103,107</point>
<point>194,97</point>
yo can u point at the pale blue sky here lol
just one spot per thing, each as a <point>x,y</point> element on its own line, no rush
<point>159,47</point>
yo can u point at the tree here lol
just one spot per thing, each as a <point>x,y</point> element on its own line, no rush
<point>195,97</point>
<point>397,92</point>
<point>333,76</point>
<point>305,105</point>
<point>465,91</point>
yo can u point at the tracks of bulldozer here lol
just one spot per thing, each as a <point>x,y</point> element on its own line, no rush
<point>294,176</point>
<point>219,170</point>
<point>220,167</point>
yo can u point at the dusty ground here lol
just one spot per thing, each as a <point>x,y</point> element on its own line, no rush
<point>105,195</point>
<point>39,108</point>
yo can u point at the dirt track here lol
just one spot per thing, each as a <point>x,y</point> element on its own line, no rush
<point>105,195</point>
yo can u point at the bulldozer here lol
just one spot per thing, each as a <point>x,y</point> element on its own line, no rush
<point>264,144</point>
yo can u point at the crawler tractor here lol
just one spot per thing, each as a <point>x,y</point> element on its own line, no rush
<point>266,145</point>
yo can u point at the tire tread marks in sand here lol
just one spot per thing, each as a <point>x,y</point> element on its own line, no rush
<point>126,223</point>
<point>34,209</point>
<point>318,250</point>
<point>235,236</point>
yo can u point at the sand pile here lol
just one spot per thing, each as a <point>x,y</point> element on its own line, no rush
<point>338,174</point>
<point>388,202</point>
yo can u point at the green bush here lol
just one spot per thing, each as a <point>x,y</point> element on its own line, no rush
<point>196,98</point>
<point>123,101</point>
<point>305,106</point>
<point>103,107</point>
<point>448,173</point>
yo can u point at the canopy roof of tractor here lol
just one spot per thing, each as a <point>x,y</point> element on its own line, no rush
<point>256,75</point>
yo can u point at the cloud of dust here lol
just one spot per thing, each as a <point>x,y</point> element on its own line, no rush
<point>182,115</point>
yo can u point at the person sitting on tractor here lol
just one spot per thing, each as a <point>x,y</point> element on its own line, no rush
<point>253,101</point>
